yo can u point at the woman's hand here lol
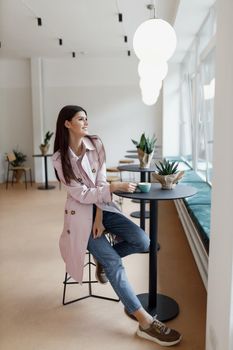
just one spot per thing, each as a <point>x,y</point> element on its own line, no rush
<point>98,229</point>
<point>123,186</point>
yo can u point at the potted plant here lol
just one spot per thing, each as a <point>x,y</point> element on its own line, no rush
<point>20,158</point>
<point>44,147</point>
<point>145,148</point>
<point>167,174</point>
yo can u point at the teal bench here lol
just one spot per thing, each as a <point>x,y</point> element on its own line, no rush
<point>198,206</point>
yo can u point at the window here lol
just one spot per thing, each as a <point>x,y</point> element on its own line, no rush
<point>197,99</point>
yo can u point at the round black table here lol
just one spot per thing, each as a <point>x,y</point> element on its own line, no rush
<point>46,186</point>
<point>142,214</point>
<point>161,305</point>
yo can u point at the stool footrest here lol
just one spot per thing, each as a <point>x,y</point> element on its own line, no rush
<point>89,282</point>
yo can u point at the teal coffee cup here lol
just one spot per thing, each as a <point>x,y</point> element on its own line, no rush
<point>144,186</point>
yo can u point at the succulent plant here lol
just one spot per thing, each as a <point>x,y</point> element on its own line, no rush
<point>167,168</point>
<point>47,137</point>
<point>146,144</point>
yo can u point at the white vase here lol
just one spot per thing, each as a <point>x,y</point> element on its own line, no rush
<point>144,158</point>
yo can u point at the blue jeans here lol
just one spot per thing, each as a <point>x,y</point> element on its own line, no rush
<point>133,240</point>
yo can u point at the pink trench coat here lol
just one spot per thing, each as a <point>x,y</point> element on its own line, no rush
<point>78,215</point>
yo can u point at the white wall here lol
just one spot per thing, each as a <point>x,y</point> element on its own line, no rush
<point>108,89</point>
<point>16,110</point>
<point>219,331</point>
<point>171,111</point>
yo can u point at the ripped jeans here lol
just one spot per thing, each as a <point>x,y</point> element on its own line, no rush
<point>132,240</point>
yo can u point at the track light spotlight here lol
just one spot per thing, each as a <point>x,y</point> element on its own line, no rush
<point>39,21</point>
<point>60,41</point>
<point>73,54</point>
<point>120,17</point>
<point>125,38</point>
<point>128,53</point>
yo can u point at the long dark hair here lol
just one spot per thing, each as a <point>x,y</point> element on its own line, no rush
<point>61,142</point>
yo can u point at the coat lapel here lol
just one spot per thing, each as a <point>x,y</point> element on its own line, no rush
<point>87,174</point>
<point>88,170</point>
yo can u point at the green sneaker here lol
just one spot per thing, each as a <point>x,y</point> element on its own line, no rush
<point>159,333</point>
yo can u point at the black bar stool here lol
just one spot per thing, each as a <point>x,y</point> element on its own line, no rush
<point>89,264</point>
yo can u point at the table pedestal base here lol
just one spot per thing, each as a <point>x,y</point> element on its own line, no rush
<point>137,214</point>
<point>167,308</point>
<point>49,187</point>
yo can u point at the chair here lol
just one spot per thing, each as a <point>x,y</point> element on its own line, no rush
<point>89,264</point>
<point>10,157</point>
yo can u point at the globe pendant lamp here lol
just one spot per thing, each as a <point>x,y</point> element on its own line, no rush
<point>154,39</point>
<point>150,85</point>
<point>153,69</point>
<point>150,100</point>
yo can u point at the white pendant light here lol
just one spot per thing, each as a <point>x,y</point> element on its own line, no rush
<point>153,69</point>
<point>149,101</point>
<point>150,94</point>
<point>154,39</point>
<point>154,43</point>
<point>150,85</point>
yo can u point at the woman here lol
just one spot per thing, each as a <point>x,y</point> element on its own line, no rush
<point>79,162</point>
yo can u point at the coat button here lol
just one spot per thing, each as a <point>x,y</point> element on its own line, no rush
<point>68,231</point>
<point>72,212</point>
<point>79,179</point>
<point>66,211</point>
<point>93,170</point>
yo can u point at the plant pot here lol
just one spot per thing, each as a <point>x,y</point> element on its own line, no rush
<point>44,149</point>
<point>144,158</point>
<point>17,175</point>
<point>168,182</point>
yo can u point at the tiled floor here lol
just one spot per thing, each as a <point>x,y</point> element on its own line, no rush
<point>31,270</point>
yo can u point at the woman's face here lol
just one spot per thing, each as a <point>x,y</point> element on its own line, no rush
<point>78,124</point>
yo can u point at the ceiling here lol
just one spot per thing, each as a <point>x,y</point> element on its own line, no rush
<point>87,27</point>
